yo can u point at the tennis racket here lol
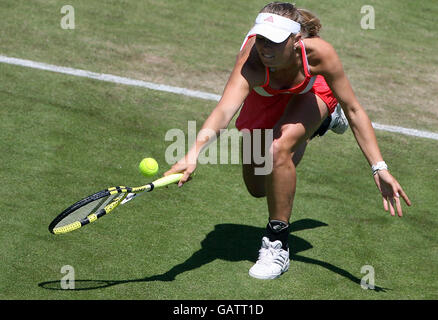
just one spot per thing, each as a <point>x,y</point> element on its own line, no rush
<point>97,205</point>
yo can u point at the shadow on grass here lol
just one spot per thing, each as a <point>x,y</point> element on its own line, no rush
<point>230,242</point>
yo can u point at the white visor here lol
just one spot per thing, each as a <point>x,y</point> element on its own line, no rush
<point>274,27</point>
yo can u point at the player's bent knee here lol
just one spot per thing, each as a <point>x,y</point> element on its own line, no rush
<point>255,187</point>
<point>255,184</point>
<point>256,193</point>
<point>280,153</point>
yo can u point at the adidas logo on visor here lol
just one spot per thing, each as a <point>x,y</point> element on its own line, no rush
<point>269,19</point>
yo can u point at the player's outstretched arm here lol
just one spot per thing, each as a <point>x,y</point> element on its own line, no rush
<point>332,70</point>
<point>235,92</point>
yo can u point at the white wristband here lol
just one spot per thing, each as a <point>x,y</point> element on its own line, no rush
<point>381,165</point>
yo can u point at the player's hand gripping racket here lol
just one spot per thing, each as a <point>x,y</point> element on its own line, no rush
<point>99,204</point>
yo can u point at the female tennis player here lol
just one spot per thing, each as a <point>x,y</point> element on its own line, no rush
<point>289,80</point>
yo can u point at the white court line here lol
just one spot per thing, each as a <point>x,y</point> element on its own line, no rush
<point>406,131</point>
<point>176,90</point>
<point>108,78</point>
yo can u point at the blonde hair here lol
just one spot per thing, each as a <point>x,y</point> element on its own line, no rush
<point>310,24</point>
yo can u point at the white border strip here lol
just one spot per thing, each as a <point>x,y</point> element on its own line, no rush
<point>108,78</point>
<point>175,90</point>
<point>406,131</point>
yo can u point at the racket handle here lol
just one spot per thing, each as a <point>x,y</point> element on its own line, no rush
<point>164,181</point>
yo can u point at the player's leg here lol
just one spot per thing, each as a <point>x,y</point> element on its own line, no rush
<point>255,183</point>
<point>303,116</point>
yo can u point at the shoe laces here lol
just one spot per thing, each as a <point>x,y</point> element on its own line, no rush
<point>269,251</point>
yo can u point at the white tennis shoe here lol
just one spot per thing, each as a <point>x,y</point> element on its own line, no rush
<point>273,261</point>
<point>339,123</point>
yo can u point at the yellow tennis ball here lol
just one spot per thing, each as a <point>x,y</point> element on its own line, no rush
<point>148,167</point>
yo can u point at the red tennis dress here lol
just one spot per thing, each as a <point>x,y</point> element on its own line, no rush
<point>264,106</point>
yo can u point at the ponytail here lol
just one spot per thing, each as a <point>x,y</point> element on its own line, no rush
<point>310,24</point>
